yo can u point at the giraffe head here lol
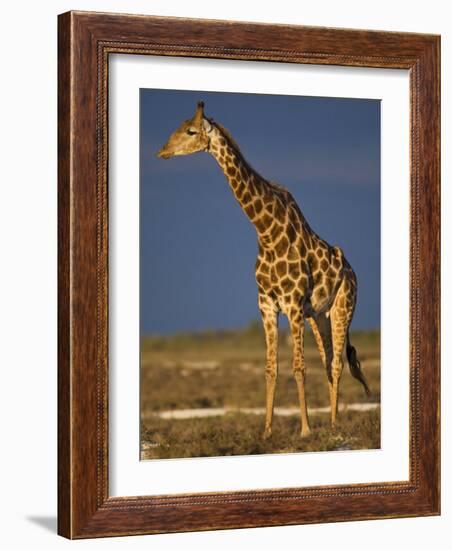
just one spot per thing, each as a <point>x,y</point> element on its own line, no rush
<point>190,137</point>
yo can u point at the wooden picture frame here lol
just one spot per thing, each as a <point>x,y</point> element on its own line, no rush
<point>85,42</point>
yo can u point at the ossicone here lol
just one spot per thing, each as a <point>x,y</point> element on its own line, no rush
<point>199,115</point>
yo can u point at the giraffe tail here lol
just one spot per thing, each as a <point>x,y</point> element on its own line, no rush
<point>355,366</point>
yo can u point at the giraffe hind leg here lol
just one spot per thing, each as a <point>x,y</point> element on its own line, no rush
<point>339,329</point>
<point>321,329</point>
<point>341,315</point>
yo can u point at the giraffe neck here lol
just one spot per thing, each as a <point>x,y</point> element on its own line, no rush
<point>258,198</point>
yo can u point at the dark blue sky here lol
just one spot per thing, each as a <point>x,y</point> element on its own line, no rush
<point>198,249</point>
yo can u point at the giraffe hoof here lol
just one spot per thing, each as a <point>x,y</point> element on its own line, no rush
<point>305,432</point>
<point>267,433</point>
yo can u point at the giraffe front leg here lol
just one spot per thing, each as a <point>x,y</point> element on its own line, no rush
<point>296,322</point>
<point>269,313</point>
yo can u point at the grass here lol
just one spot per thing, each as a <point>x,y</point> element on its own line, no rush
<point>241,434</point>
<point>226,369</point>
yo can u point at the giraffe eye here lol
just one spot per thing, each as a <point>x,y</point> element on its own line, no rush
<point>191,132</point>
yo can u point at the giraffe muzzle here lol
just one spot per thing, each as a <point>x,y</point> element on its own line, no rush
<point>163,153</point>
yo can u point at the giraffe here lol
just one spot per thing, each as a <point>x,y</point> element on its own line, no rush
<point>297,272</point>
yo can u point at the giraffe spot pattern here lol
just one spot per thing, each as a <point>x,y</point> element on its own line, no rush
<point>303,249</point>
<point>250,211</point>
<point>273,277</point>
<point>240,190</point>
<point>264,222</point>
<point>291,235</point>
<point>318,278</point>
<point>292,253</point>
<point>281,268</point>
<point>282,246</point>
<point>276,231</point>
<point>279,212</point>
<point>258,206</point>
<point>246,197</point>
<point>295,270</point>
<point>287,284</point>
<point>314,263</point>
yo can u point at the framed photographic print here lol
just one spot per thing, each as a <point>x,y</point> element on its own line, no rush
<point>248,275</point>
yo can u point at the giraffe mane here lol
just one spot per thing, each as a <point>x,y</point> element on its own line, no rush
<point>278,186</point>
<point>226,133</point>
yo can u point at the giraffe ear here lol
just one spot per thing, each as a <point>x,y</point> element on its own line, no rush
<point>206,125</point>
